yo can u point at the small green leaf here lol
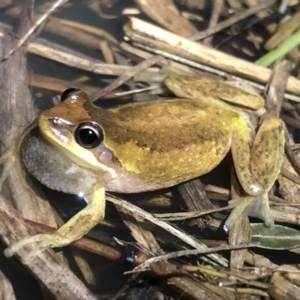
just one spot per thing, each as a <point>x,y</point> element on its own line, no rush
<point>276,237</point>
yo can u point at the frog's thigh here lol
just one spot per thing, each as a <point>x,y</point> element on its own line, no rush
<point>71,231</point>
<point>267,152</point>
<point>242,156</point>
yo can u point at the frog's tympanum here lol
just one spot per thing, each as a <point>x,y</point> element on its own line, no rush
<point>82,149</point>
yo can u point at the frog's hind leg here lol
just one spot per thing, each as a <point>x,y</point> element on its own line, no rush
<point>241,155</point>
<point>267,152</point>
<point>71,231</point>
<point>258,167</point>
<point>266,156</point>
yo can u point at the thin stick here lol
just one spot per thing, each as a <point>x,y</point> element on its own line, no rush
<point>127,75</point>
<point>145,265</point>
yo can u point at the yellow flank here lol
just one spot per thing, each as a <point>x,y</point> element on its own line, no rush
<point>151,147</point>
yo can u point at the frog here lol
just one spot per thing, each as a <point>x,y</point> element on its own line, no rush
<point>80,148</point>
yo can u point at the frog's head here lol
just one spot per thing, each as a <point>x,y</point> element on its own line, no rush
<point>70,128</point>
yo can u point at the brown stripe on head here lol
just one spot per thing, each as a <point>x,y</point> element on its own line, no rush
<point>71,109</point>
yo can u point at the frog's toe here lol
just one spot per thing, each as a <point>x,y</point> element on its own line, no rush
<point>251,206</point>
<point>28,257</point>
<point>43,242</point>
<point>260,208</point>
<point>10,251</point>
<point>239,209</point>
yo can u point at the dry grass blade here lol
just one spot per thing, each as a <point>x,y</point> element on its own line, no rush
<point>169,45</point>
<point>277,85</point>
<point>190,214</point>
<point>62,55</point>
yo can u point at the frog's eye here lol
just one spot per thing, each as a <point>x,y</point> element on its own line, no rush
<point>67,93</point>
<point>88,135</point>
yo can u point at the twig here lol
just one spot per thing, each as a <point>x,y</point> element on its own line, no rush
<point>277,85</point>
<point>190,214</point>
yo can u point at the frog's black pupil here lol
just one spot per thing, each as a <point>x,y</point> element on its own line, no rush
<point>88,136</point>
<point>67,93</point>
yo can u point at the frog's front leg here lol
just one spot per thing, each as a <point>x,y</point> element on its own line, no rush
<point>257,169</point>
<point>71,231</point>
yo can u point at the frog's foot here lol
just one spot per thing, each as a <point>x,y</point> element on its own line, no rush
<point>251,206</point>
<point>43,242</point>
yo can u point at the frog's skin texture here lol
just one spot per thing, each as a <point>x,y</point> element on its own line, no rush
<point>147,146</point>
